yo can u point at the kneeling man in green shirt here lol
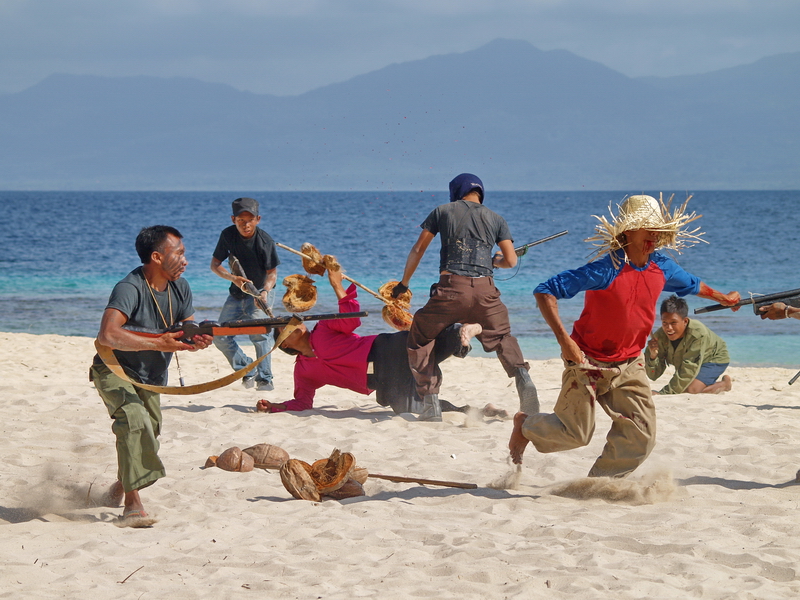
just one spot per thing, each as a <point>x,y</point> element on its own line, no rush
<point>698,354</point>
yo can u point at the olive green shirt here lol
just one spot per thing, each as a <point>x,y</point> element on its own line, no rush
<point>698,345</point>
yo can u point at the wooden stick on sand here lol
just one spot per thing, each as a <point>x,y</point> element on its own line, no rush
<point>455,484</point>
<point>353,281</point>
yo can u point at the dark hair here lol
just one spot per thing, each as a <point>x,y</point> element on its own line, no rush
<point>275,333</point>
<point>673,304</point>
<point>152,239</point>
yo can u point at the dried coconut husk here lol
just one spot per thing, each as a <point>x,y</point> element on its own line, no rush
<point>331,263</point>
<point>301,294</point>
<point>360,474</point>
<point>233,459</point>
<point>350,489</point>
<point>397,317</point>
<point>403,299</point>
<point>296,478</point>
<point>314,265</point>
<point>267,456</point>
<point>329,474</point>
<point>211,461</point>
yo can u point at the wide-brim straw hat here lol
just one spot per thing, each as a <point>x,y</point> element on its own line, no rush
<point>645,212</point>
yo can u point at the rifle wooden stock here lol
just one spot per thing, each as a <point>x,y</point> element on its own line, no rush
<point>756,301</point>
<point>253,327</point>
<point>522,249</point>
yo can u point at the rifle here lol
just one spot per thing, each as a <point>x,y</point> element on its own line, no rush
<point>520,251</point>
<point>252,327</point>
<point>791,297</point>
<point>248,287</point>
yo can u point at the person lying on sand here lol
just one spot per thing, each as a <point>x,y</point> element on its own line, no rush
<point>602,358</point>
<point>333,354</point>
<point>700,356</point>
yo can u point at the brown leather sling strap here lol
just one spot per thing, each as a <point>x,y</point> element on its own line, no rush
<point>110,360</point>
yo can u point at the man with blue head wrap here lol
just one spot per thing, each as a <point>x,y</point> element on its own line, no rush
<point>465,292</point>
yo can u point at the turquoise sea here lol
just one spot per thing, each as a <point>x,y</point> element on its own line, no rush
<point>62,252</point>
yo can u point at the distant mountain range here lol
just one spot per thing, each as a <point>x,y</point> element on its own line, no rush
<point>519,117</point>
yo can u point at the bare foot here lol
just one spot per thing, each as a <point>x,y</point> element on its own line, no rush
<point>728,383</point>
<point>264,406</point>
<point>490,410</point>
<point>518,441</point>
<point>469,331</point>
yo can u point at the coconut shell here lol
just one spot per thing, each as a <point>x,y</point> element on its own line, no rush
<point>360,474</point>
<point>333,472</point>
<point>397,317</point>
<point>296,478</point>
<point>315,266</point>
<point>350,489</point>
<point>331,264</point>
<point>211,461</point>
<point>301,294</point>
<point>267,456</point>
<point>403,299</point>
<point>233,459</point>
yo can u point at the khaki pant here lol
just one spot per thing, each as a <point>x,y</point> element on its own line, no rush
<point>623,390</point>
<point>137,425</point>
<point>459,299</point>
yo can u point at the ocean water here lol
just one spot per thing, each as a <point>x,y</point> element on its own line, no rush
<point>62,252</point>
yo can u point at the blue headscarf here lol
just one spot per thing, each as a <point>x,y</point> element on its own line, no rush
<point>463,184</point>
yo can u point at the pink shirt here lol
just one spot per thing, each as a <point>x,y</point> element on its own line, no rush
<point>341,358</point>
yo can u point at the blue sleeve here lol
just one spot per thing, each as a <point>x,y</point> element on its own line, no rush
<point>596,275</point>
<point>677,281</point>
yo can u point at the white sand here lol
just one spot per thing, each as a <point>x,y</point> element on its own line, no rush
<point>713,513</point>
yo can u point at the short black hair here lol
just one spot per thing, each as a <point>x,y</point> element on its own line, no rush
<point>276,331</point>
<point>673,304</point>
<point>152,239</point>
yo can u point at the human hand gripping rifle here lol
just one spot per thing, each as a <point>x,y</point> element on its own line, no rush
<point>248,287</point>
<point>522,250</point>
<point>789,297</point>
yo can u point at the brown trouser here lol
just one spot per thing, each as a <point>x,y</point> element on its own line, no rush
<point>459,299</point>
<point>623,390</point>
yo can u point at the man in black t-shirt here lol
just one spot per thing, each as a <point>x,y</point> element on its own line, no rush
<point>465,292</point>
<point>153,296</point>
<point>256,252</point>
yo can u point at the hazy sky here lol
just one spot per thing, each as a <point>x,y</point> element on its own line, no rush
<point>291,46</point>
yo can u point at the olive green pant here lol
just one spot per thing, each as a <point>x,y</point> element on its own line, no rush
<point>623,390</point>
<point>137,425</point>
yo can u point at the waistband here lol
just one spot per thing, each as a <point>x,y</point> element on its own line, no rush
<point>487,280</point>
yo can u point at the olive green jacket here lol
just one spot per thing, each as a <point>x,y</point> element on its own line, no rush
<point>698,345</point>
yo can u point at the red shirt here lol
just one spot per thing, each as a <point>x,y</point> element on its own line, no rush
<point>341,358</point>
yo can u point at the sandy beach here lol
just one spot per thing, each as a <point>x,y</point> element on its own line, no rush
<point>711,514</point>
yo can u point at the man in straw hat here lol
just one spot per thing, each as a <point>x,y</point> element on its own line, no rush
<point>465,292</point>
<point>153,296</point>
<point>602,357</point>
<point>333,354</point>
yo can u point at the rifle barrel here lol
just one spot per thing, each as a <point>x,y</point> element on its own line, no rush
<point>767,298</point>
<point>541,241</point>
